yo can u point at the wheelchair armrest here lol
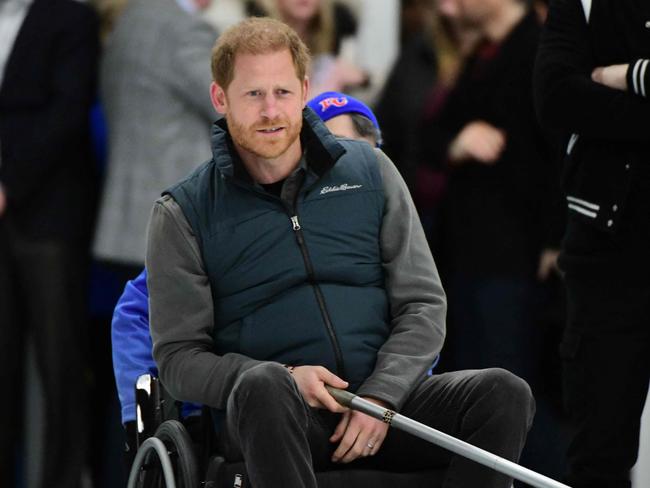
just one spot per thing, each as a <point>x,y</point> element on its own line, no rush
<point>149,406</point>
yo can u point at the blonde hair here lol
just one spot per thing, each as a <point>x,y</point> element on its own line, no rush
<point>109,11</point>
<point>321,38</point>
<point>452,44</point>
<point>256,35</point>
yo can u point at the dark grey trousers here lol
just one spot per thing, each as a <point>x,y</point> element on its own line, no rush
<point>41,298</point>
<point>283,440</point>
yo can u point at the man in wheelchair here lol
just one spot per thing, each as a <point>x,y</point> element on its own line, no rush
<point>345,116</point>
<point>294,260</point>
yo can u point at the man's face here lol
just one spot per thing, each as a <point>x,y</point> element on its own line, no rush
<point>471,12</point>
<point>298,10</point>
<point>263,104</point>
<point>342,126</point>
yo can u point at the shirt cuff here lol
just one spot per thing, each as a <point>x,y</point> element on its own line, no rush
<point>638,77</point>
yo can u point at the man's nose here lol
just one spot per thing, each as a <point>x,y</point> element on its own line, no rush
<point>270,106</point>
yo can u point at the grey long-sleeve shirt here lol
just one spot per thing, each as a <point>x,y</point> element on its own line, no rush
<point>182,319</point>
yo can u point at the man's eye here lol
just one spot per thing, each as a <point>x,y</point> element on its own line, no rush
<point>254,93</point>
<point>281,91</point>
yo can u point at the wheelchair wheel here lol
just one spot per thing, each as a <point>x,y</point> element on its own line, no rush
<point>181,451</point>
<point>149,471</point>
<point>179,454</point>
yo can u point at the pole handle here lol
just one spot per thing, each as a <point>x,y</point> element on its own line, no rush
<point>343,397</point>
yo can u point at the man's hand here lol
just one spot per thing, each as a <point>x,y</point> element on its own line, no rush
<point>359,434</point>
<point>613,76</point>
<point>311,381</point>
<point>478,141</point>
<point>3,201</point>
<point>547,264</point>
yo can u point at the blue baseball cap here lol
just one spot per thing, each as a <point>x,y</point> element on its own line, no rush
<point>332,104</point>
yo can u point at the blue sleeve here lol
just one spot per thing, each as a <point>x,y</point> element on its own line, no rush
<point>131,342</point>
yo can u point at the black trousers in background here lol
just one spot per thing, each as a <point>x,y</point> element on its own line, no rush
<point>282,439</point>
<point>606,356</point>
<point>41,299</point>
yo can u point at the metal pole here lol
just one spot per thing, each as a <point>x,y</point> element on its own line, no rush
<point>443,440</point>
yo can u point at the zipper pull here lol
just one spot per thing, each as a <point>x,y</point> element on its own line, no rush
<point>294,221</point>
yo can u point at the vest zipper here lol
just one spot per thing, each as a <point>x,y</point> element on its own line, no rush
<point>340,367</point>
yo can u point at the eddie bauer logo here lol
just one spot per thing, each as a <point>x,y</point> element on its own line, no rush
<point>343,187</point>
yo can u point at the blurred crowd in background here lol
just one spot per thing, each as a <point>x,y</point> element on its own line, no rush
<point>110,100</point>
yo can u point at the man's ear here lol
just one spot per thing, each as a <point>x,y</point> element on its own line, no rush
<point>305,90</point>
<point>218,97</point>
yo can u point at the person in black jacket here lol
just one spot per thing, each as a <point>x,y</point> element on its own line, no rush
<point>496,213</point>
<point>592,85</point>
<point>48,74</point>
<point>497,236</point>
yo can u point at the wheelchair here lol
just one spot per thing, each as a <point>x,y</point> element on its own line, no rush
<point>168,456</point>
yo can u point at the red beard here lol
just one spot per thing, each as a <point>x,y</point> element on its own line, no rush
<point>268,145</point>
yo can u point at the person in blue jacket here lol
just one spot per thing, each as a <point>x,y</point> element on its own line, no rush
<point>345,116</point>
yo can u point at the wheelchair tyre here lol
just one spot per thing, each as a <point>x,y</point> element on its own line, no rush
<point>152,466</point>
<point>181,453</point>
